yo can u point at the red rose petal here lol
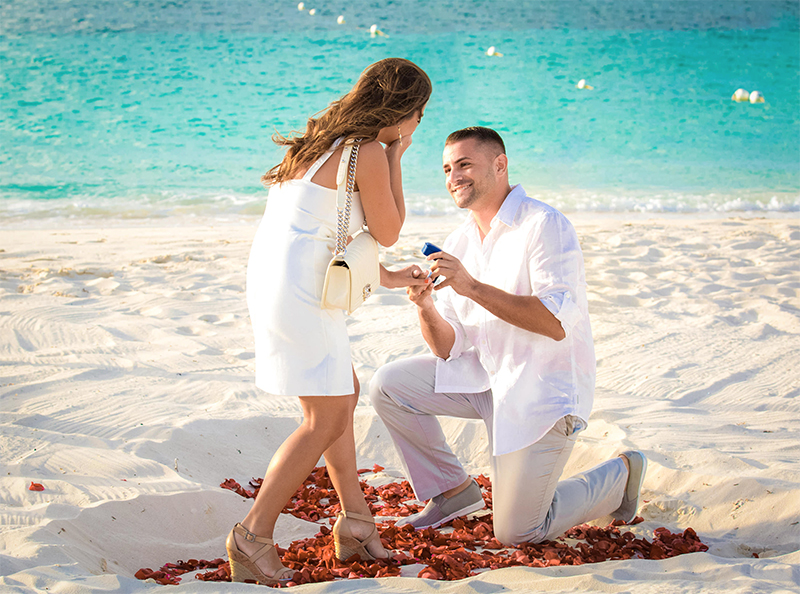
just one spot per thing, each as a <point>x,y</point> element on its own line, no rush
<point>36,487</point>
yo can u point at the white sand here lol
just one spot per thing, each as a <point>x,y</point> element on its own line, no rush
<point>126,389</point>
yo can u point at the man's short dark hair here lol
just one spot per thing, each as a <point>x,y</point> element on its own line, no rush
<point>479,133</point>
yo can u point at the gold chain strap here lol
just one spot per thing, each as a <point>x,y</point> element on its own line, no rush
<point>344,216</point>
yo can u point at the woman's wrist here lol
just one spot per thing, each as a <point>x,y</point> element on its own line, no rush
<point>389,278</point>
<point>385,277</point>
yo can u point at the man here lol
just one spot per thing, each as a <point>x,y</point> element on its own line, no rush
<point>511,345</point>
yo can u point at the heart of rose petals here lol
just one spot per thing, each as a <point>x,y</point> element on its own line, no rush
<point>467,547</point>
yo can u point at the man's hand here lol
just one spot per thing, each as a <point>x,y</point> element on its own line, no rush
<point>453,271</point>
<point>420,295</point>
<point>438,333</point>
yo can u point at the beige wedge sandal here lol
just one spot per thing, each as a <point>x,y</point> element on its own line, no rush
<point>244,568</point>
<point>348,545</point>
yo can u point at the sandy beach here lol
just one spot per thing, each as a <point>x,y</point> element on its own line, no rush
<point>127,392</point>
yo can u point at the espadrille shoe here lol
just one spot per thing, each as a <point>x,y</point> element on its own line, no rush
<point>441,509</point>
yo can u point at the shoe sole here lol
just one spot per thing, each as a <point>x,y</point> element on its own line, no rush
<point>632,456</point>
<point>244,570</point>
<point>477,506</point>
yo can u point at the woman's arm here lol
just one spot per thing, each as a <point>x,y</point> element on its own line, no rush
<point>380,184</point>
<point>394,153</point>
<point>409,276</point>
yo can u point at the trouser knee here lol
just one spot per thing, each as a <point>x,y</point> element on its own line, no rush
<point>380,386</point>
<point>512,530</point>
<point>509,532</point>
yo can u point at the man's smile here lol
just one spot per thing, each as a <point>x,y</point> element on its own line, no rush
<point>460,186</point>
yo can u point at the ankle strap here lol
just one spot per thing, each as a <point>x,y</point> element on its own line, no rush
<point>356,516</point>
<point>250,537</point>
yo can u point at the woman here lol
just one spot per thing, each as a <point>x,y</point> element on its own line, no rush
<point>302,349</point>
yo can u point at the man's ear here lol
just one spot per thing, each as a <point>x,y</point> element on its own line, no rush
<point>501,164</point>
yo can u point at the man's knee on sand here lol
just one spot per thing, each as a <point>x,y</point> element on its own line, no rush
<point>513,526</point>
<point>509,532</point>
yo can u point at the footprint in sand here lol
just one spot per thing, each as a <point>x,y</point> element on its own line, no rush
<point>225,320</point>
<point>746,245</point>
<point>105,286</point>
<point>240,354</point>
<point>665,509</point>
<point>194,331</point>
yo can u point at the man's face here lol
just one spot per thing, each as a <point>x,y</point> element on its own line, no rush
<point>469,171</point>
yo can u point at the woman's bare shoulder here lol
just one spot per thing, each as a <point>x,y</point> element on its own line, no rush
<point>372,159</point>
<point>372,150</point>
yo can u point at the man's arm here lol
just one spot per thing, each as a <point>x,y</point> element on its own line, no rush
<point>436,331</point>
<point>523,311</point>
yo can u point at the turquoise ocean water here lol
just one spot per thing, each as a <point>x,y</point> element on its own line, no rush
<point>157,108</point>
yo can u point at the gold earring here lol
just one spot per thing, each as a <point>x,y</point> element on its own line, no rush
<point>400,135</point>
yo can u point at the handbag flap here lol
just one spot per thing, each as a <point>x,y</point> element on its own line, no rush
<point>363,260</point>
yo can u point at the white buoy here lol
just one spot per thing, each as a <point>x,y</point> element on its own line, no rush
<point>756,97</point>
<point>312,12</point>
<point>340,20</point>
<point>375,32</point>
<point>301,6</point>
<point>582,85</point>
<point>492,51</point>
<point>740,95</point>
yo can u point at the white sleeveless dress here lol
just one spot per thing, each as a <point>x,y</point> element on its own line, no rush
<point>301,349</point>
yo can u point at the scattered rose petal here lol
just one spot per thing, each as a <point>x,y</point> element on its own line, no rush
<point>36,487</point>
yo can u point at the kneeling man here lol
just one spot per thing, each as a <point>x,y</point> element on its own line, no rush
<point>511,345</point>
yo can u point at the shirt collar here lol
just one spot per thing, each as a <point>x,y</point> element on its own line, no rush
<point>507,213</point>
<point>508,210</point>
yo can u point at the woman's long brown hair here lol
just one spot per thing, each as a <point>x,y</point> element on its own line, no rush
<point>387,93</point>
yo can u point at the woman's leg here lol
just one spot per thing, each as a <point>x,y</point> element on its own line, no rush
<point>324,418</point>
<point>340,458</point>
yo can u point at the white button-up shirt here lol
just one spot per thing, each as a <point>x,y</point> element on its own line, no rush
<point>531,249</point>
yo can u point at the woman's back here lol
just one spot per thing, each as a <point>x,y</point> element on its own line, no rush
<point>301,349</point>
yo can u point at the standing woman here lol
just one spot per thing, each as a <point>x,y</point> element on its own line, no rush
<point>301,349</point>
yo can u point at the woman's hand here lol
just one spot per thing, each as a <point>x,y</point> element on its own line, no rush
<point>396,149</point>
<point>405,277</point>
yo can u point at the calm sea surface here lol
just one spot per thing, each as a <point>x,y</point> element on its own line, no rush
<point>144,109</point>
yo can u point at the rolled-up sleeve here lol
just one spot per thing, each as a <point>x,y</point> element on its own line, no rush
<point>564,309</point>
<point>555,270</point>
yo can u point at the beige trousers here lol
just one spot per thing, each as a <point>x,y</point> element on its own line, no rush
<point>530,503</point>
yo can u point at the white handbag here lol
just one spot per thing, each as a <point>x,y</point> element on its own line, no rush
<point>354,271</point>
